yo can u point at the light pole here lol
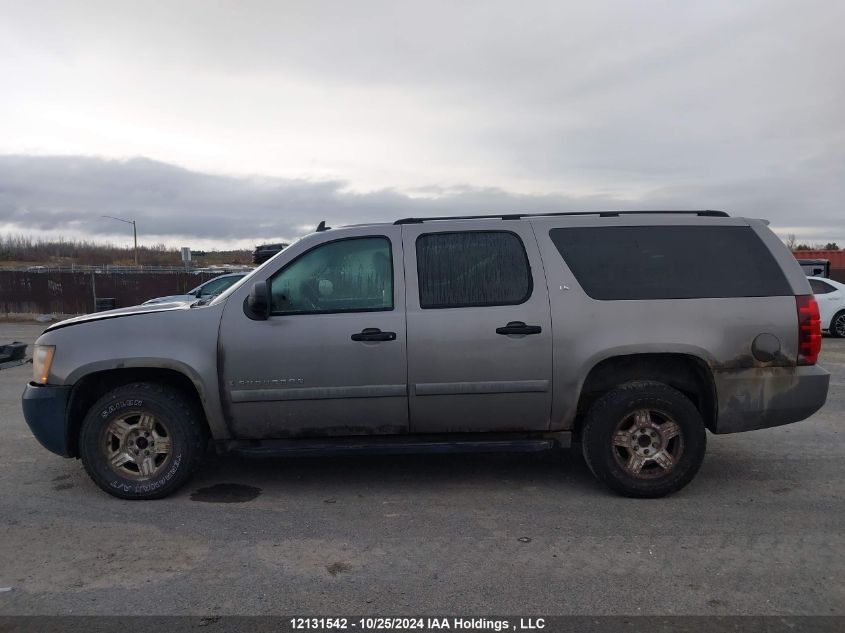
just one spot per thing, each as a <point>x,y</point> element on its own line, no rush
<point>134,233</point>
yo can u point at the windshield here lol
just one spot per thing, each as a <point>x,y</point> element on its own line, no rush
<point>225,295</point>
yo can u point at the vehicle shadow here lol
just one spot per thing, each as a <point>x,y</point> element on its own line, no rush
<point>397,472</point>
<point>558,473</point>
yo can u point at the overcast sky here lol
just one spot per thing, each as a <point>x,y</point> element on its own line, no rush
<point>222,123</point>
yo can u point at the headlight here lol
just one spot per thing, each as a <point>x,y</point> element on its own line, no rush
<point>42,359</point>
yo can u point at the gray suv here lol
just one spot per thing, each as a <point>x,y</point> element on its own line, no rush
<point>629,332</point>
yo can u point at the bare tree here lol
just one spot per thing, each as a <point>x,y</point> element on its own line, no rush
<point>790,241</point>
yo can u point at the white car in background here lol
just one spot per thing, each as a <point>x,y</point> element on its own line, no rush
<point>830,295</point>
<point>207,290</point>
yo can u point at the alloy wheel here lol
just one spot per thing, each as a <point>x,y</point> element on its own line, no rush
<point>136,446</point>
<point>647,443</point>
<point>839,325</point>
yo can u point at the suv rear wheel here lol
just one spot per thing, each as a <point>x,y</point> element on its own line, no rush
<point>142,441</point>
<point>644,439</point>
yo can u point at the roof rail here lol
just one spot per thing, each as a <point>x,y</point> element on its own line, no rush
<point>603,214</point>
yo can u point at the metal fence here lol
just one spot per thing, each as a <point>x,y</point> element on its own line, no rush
<point>217,270</point>
<point>63,292</point>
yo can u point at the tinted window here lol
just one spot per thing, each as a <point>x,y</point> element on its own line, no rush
<point>473,268</point>
<point>820,287</point>
<point>216,286</point>
<point>670,262</point>
<point>353,275</point>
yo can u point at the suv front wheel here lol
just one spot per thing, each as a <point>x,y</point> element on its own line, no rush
<point>644,439</point>
<point>142,441</point>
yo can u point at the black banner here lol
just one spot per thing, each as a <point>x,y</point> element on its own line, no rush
<point>427,623</point>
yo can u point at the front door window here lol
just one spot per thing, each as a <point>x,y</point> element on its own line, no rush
<point>350,275</point>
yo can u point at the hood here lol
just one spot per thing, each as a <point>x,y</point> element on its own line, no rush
<point>120,312</point>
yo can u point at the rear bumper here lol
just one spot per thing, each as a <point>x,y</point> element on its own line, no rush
<point>760,398</point>
<point>44,409</point>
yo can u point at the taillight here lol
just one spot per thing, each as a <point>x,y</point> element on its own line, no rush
<point>809,330</point>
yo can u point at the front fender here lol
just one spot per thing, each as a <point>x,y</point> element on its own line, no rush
<point>184,341</point>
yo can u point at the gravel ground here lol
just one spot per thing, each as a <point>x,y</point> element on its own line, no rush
<point>758,532</point>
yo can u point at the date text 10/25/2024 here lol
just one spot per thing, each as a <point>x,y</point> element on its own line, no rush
<point>418,624</point>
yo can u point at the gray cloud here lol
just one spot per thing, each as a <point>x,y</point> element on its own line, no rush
<point>376,109</point>
<point>71,193</point>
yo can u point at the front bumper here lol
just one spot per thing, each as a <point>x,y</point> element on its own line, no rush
<point>44,409</point>
<point>760,398</point>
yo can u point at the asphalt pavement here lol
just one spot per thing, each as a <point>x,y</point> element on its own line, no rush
<point>759,531</point>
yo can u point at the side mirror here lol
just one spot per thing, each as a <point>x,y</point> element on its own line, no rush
<point>258,301</point>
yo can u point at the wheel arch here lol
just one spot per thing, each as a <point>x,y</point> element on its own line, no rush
<point>91,386</point>
<point>689,374</point>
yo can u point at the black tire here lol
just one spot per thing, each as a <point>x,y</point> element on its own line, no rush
<point>132,419</point>
<point>837,325</point>
<point>613,456</point>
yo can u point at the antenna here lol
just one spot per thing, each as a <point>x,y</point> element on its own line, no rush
<point>322,226</point>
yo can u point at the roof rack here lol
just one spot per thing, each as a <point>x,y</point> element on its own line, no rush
<point>604,214</point>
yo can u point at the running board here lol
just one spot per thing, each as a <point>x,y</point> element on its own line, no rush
<point>389,446</point>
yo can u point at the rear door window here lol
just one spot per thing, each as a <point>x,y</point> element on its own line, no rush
<point>670,262</point>
<point>820,287</point>
<point>472,268</point>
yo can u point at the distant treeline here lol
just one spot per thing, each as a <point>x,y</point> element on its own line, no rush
<point>818,246</point>
<point>793,244</point>
<point>16,249</point>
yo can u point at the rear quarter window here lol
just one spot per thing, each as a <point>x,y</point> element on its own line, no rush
<point>820,287</point>
<point>670,262</point>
